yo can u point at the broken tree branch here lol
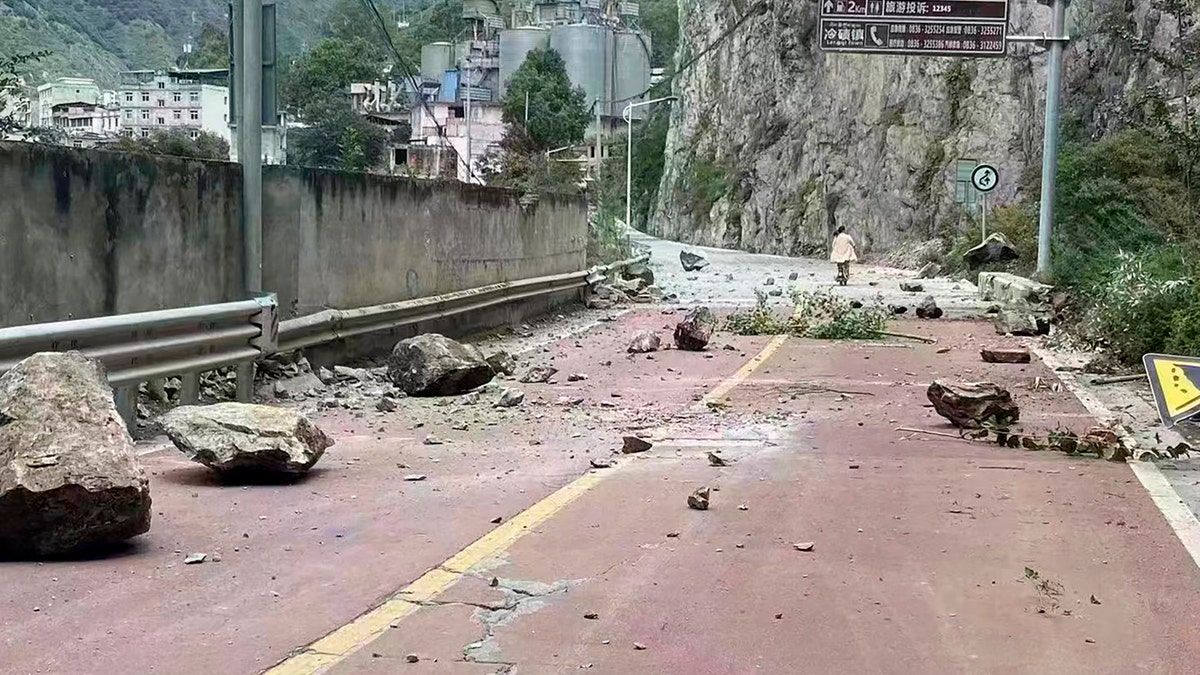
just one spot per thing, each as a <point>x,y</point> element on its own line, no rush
<point>908,336</point>
<point>1119,379</point>
<point>931,433</point>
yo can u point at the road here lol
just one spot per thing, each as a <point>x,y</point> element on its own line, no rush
<point>514,556</point>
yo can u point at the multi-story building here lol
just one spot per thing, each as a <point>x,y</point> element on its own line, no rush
<point>63,90</point>
<point>86,124</point>
<point>176,100</point>
<point>435,152</point>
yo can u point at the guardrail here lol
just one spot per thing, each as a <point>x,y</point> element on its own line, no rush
<point>337,324</point>
<point>135,348</point>
<point>149,345</point>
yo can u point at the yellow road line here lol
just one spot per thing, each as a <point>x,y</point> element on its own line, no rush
<point>722,390</point>
<point>335,647</point>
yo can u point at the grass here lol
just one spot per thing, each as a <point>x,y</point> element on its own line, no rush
<point>821,316</point>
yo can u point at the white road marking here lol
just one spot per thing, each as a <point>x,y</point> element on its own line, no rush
<point>1177,513</point>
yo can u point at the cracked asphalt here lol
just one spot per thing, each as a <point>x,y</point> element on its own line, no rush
<point>929,554</point>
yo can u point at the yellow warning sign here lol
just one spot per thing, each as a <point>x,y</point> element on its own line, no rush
<point>1175,381</point>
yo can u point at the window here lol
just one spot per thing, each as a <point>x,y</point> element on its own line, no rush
<point>177,114</point>
<point>145,97</point>
<point>964,192</point>
<point>176,97</point>
<point>194,135</point>
<point>129,114</point>
<point>162,85</point>
<point>162,102</point>
<point>162,120</point>
<point>145,133</point>
<point>145,115</point>
<point>194,97</point>
<point>129,97</point>
<point>194,115</point>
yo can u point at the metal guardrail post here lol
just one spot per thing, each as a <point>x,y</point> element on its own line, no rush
<point>189,389</point>
<point>125,399</point>
<point>245,382</point>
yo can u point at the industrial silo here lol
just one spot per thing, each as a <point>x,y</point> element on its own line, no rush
<point>632,76</point>
<point>515,45</point>
<point>436,59</point>
<point>587,52</point>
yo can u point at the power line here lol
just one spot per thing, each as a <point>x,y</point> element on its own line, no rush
<point>408,72</point>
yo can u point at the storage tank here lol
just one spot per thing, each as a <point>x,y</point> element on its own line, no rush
<point>436,59</point>
<point>515,45</point>
<point>587,52</point>
<point>632,77</point>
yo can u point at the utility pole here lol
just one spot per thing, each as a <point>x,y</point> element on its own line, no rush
<point>628,115</point>
<point>1057,40</point>
<point>599,131</point>
<point>526,110</point>
<point>467,90</point>
<point>250,140</point>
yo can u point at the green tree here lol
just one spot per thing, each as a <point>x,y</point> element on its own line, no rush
<point>336,137</point>
<point>327,71</point>
<point>210,51</point>
<point>10,88</point>
<point>350,21</point>
<point>661,19</point>
<point>176,144</point>
<point>558,113</point>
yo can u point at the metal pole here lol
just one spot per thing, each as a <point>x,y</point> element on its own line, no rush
<point>526,110</point>
<point>251,148</point>
<point>1050,145</point>
<point>467,89</point>
<point>598,127</point>
<point>629,166</point>
<point>251,143</point>
<point>984,217</point>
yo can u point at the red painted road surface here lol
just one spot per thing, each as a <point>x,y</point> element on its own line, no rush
<point>920,543</point>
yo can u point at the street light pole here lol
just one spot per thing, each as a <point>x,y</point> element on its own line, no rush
<point>628,115</point>
<point>1057,40</point>
<point>251,142</point>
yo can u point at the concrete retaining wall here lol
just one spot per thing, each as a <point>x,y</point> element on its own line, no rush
<point>89,233</point>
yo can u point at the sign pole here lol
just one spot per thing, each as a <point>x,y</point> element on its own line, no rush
<point>1057,41</point>
<point>984,217</point>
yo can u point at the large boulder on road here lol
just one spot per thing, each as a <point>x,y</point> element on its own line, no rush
<point>995,249</point>
<point>239,438</point>
<point>640,272</point>
<point>973,405</point>
<point>692,261</point>
<point>435,365</point>
<point>69,476</point>
<point>693,333</point>
<point>644,343</point>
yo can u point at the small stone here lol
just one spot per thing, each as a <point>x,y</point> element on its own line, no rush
<point>433,440</point>
<point>601,463</point>
<point>793,276</point>
<point>1094,600</point>
<point>415,477</point>
<point>743,507</point>
<point>633,445</point>
<point>494,582</point>
<point>195,559</point>
<point>805,546</point>
<point>645,343</point>
<point>928,309</point>
<point>769,282</point>
<point>698,500</point>
<point>386,404</point>
<point>497,520</point>
<point>510,398</point>
<point>639,646</point>
<point>576,377</point>
<point>911,286</point>
<point>591,616</point>
<point>716,460</point>
<point>412,658</point>
<point>539,375</point>
<point>779,615</point>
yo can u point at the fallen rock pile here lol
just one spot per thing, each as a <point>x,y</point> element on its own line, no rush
<point>239,438</point>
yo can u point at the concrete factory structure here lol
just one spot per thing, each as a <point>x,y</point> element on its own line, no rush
<point>604,49</point>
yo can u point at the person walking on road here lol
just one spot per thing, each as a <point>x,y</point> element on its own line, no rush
<point>843,254</point>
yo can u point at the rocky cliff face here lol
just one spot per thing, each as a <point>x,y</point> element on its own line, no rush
<point>774,143</point>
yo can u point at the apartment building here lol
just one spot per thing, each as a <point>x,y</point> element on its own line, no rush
<point>176,100</point>
<point>63,90</point>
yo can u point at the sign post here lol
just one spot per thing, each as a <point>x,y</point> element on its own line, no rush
<point>930,27</point>
<point>985,178</point>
